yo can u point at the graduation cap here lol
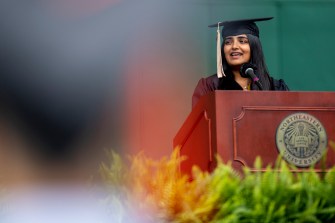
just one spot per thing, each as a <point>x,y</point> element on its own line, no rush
<point>233,28</point>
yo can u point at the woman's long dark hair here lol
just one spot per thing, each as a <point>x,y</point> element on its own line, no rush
<point>257,58</point>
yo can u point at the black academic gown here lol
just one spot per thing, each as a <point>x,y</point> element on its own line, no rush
<point>212,83</point>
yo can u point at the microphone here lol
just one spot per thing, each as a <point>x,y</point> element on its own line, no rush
<point>247,71</point>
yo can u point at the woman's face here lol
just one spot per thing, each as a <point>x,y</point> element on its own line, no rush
<point>236,50</point>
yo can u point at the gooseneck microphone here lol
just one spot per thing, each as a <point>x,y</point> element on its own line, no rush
<point>248,71</point>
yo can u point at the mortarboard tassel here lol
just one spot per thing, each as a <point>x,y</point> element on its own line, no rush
<point>219,67</point>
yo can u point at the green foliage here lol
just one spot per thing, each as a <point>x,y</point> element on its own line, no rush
<point>159,191</point>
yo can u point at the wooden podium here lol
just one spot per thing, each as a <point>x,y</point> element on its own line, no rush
<point>241,125</point>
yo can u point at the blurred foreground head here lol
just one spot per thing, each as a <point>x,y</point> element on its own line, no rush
<point>57,76</point>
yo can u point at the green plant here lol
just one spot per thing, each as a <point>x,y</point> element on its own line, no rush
<point>158,191</point>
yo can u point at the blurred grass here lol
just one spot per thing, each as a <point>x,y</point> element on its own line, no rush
<point>158,192</point>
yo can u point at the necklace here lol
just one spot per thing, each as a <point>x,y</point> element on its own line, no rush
<point>244,83</point>
<point>246,87</point>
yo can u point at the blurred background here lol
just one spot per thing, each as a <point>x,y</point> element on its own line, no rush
<point>78,77</point>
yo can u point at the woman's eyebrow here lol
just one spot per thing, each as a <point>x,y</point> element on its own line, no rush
<point>231,37</point>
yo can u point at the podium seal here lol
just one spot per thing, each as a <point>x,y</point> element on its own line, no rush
<point>301,139</point>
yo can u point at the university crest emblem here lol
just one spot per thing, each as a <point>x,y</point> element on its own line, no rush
<point>301,139</point>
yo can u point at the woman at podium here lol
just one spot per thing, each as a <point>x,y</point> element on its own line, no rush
<point>240,61</point>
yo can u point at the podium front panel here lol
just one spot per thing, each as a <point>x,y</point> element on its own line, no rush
<point>241,125</point>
